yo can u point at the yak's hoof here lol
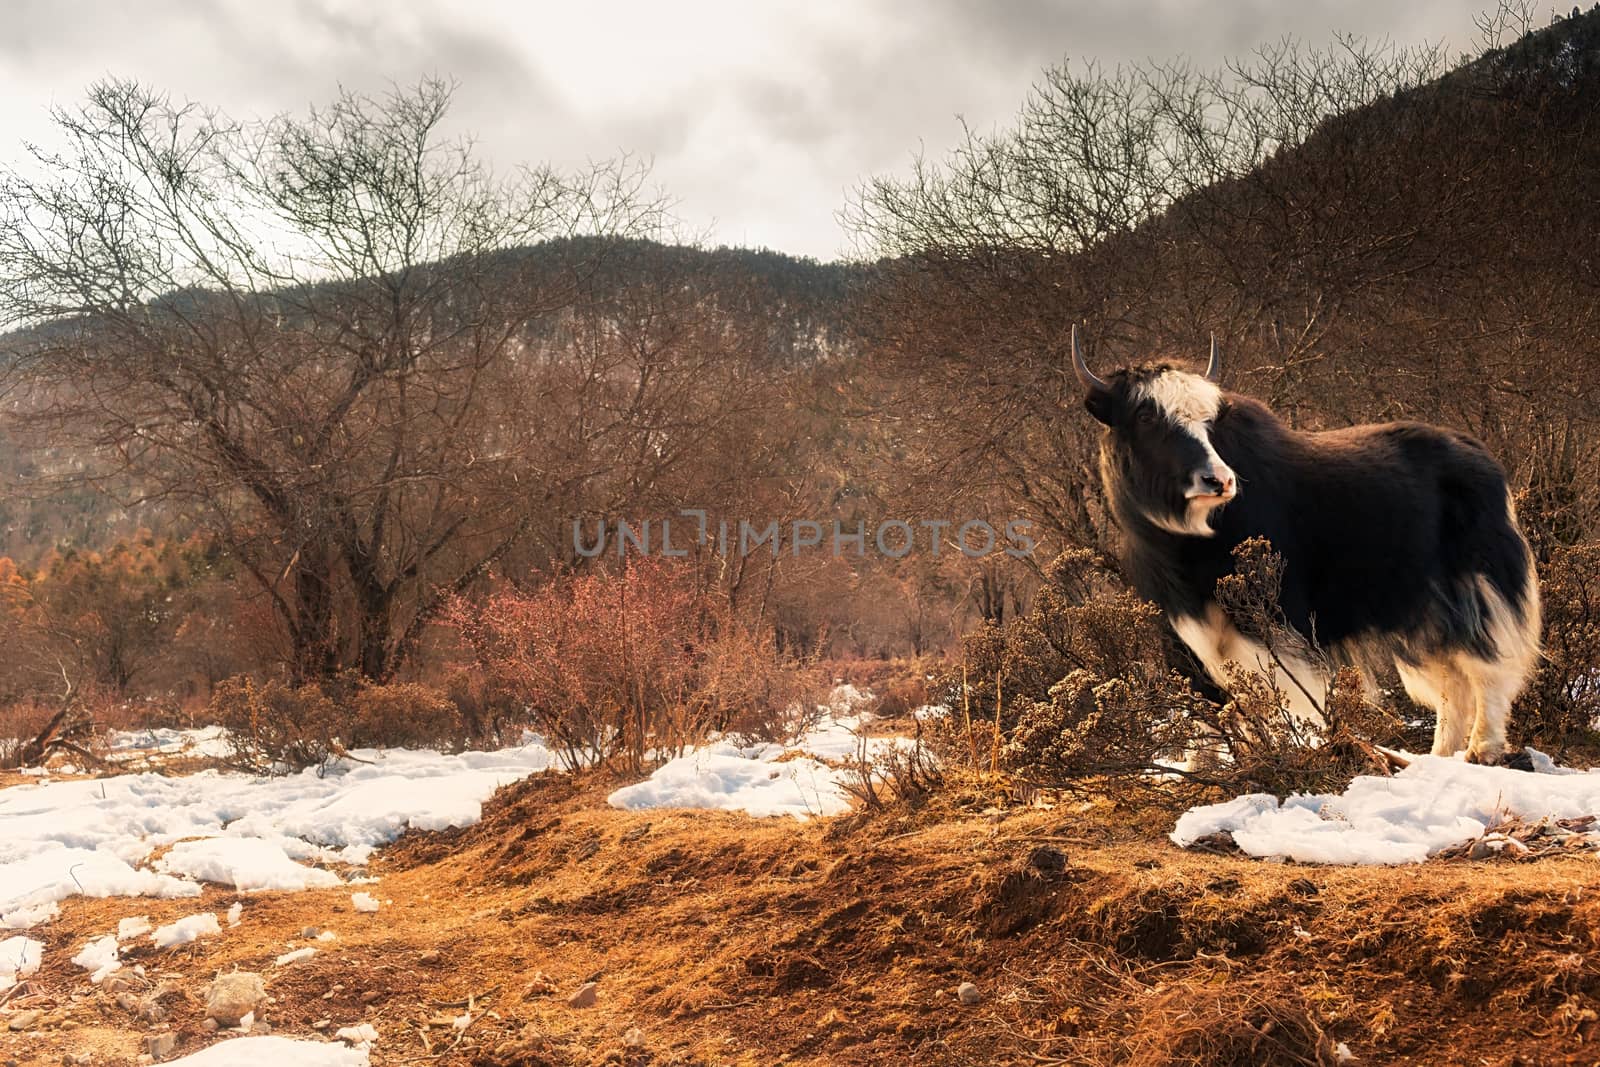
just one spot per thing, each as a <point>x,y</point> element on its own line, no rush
<point>1517,761</point>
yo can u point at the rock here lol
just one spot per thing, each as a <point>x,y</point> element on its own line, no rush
<point>233,996</point>
<point>77,1059</point>
<point>25,1020</point>
<point>585,997</point>
<point>119,983</point>
<point>322,1024</point>
<point>539,986</point>
<point>160,1046</point>
<point>634,1038</point>
<point>371,996</point>
<point>209,1026</point>
<point>128,1002</point>
<point>430,957</point>
<point>968,994</point>
<point>310,932</point>
<point>152,1012</point>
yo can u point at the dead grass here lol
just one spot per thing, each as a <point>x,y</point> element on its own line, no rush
<point>717,939</point>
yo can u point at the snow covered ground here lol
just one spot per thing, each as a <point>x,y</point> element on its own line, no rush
<point>802,778</point>
<point>95,836</point>
<point>274,1051</point>
<point>1430,805</point>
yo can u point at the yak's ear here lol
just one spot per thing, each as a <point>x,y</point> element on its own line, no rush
<point>1101,404</point>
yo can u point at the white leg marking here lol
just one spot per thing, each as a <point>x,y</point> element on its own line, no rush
<point>1218,643</point>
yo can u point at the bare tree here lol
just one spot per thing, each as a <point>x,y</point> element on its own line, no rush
<point>310,334</point>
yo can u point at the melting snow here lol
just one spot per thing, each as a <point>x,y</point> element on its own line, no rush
<point>798,779</point>
<point>189,928</point>
<point>99,956</point>
<point>19,957</point>
<point>1431,804</point>
<point>89,836</point>
<point>274,1052</point>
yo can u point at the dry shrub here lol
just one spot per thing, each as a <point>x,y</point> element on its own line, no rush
<point>275,726</point>
<point>899,774</point>
<point>619,664</point>
<point>407,715</point>
<point>1561,706</point>
<point>1078,694</point>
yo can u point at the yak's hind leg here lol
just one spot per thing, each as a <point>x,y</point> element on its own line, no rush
<point>1498,679</point>
<point>1438,684</point>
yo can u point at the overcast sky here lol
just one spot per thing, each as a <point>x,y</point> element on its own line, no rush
<point>759,115</point>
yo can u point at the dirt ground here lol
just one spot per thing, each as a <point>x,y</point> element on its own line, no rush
<point>721,939</point>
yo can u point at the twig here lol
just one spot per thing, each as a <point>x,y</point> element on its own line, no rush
<point>467,1003</point>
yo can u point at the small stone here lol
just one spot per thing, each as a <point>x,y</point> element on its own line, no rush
<point>145,1057</point>
<point>371,996</point>
<point>634,1038</point>
<point>968,994</point>
<point>127,1002</point>
<point>152,1012</point>
<point>322,1024</point>
<point>25,1020</point>
<point>430,957</point>
<point>77,1059</point>
<point>233,996</point>
<point>310,932</point>
<point>540,986</point>
<point>333,992</point>
<point>160,1046</point>
<point>585,997</point>
<point>209,1026</point>
<point>119,983</point>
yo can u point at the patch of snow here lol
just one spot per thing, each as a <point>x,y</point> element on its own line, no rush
<point>362,1036</point>
<point>245,863</point>
<point>26,918</point>
<point>19,957</point>
<point>846,698</point>
<point>99,956</point>
<point>1430,805</point>
<point>327,935</point>
<point>189,928</point>
<point>235,910</point>
<point>274,1051</point>
<point>62,838</point>
<point>931,712</point>
<point>762,779</point>
<point>294,957</point>
<point>363,902</point>
<point>133,926</point>
<point>210,741</point>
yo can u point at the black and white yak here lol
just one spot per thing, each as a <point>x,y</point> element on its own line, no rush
<point>1398,540</point>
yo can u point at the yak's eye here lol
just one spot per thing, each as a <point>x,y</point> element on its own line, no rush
<point>1146,416</point>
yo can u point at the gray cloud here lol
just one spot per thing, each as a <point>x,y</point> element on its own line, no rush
<point>759,117</point>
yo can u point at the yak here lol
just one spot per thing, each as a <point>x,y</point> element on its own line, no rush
<point>1399,542</point>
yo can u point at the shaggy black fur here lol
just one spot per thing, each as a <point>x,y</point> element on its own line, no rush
<point>1384,529</point>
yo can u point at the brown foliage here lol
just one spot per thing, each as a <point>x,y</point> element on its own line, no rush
<point>274,725</point>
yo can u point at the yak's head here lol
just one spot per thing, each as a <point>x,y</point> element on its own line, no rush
<point>1157,457</point>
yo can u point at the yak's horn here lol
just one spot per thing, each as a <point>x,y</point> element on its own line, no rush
<point>1085,375</point>
<point>1214,367</point>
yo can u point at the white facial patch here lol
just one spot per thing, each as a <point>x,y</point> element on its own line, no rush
<point>1191,403</point>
